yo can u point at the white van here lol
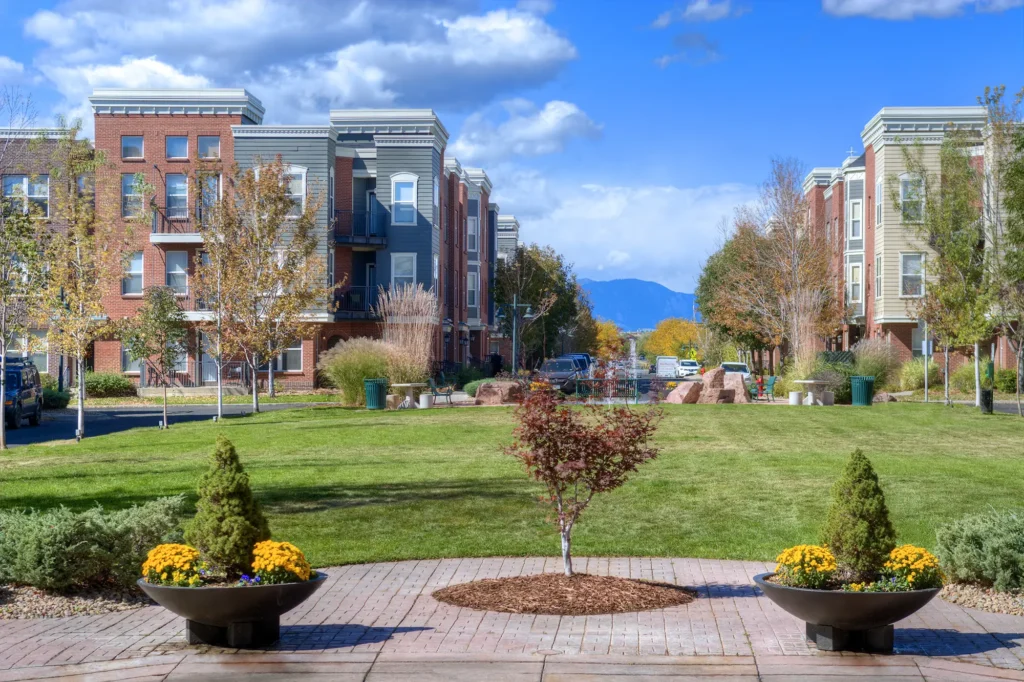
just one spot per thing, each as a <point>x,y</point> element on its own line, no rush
<point>665,366</point>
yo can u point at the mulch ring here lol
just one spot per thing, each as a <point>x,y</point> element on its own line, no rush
<point>555,594</point>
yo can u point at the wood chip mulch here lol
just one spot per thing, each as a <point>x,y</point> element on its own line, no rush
<point>555,594</point>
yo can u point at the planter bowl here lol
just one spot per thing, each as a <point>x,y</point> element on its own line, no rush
<point>236,616</point>
<point>838,620</point>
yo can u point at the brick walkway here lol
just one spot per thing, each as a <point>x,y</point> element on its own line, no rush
<point>379,622</point>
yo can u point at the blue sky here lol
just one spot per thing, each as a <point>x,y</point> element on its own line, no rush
<point>620,132</point>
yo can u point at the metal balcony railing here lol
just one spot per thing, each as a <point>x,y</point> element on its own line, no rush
<point>361,227</point>
<point>177,218</point>
<point>355,302</point>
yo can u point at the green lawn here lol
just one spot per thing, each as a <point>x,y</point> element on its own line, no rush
<point>732,481</point>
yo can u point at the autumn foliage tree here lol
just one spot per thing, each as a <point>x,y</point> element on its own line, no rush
<point>670,337</point>
<point>609,340</point>
<point>577,453</point>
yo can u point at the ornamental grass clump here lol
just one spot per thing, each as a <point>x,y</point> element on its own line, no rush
<point>228,521</point>
<point>857,529</point>
<point>808,566</point>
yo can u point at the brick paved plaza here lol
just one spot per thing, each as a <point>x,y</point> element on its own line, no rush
<point>379,622</point>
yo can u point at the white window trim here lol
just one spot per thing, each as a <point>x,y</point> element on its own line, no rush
<point>142,276</point>
<point>878,275</point>
<point>167,272</point>
<point>437,202</point>
<point>405,177</point>
<point>849,221</point>
<point>278,360</point>
<point>123,196</point>
<point>209,158</point>
<point>142,148</point>
<point>919,179</point>
<point>414,259</point>
<point>859,281</point>
<point>879,192</point>
<point>27,198</point>
<point>298,170</point>
<point>924,258</point>
<point>175,158</point>
<point>473,230</point>
<point>436,273</point>
<point>167,195</point>
<point>475,289</point>
<point>124,355</point>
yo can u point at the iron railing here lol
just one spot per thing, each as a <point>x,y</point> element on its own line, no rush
<point>355,300</point>
<point>360,227</point>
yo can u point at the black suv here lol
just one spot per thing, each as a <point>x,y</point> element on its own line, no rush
<point>24,397</point>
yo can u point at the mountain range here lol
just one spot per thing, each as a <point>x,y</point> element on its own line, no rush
<point>637,304</point>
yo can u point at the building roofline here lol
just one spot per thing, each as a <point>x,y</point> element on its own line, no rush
<point>479,177</point>
<point>389,121</point>
<point>230,101</point>
<point>31,133</point>
<point>283,131</point>
<point>818,177</point>
<point>920,123</point>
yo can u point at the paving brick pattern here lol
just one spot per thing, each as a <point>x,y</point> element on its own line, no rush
<point>378,621</point>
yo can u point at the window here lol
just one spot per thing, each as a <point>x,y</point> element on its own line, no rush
<point>131,147</point>
<point>177,147</point>
<point>39,349</point>
<point>132,283</point>
<point>855,220</point>
<point>472,230</point>
<point>177,196</point>
<point>912,198</point>
<point>878,276</point>
<point>912,275</point>
<point>472,282</point>
<point>296,179</point>
<point>211,194</point>
<point>131,200</point>
<point>403,269</point>
<point>129,366</point>
<point>32,190</point>
<point>209,146</point>
<point>436,274</point>
<point>180,365</point>
<point>177,271</point>
<point>855,283</point>
<point>437,202</point>
<point>330,267</point>
<point>403,199</point>
<point>290,359</point>
<point>878,202</point>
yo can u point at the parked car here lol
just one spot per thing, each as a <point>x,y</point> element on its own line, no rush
<point>581,363</point>
<point>688,368</point>
<point>737,368</point>
<point>585,356</point>
<point>24,394</point>
<point>666,366</point>
<point>561,373</point>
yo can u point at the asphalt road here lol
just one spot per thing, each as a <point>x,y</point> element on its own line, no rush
<point>100,421</point>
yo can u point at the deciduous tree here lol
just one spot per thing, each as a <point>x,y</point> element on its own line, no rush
<point>609,340</point>
<point>670,336</point>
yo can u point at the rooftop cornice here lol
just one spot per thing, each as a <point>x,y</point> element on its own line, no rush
<point>283,131</point>
<point>408,141</point>
<point>452,165</point>
<point>925,124</point>
<point>818,177</point>
<point>508,222</point>
<point>479,177</point>
<point>32,133</point>
<point>232,102</point>
<point>389,121</point>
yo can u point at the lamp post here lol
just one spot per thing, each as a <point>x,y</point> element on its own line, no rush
<point>515,305</point>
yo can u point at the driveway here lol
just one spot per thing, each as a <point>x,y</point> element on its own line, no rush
<point>100,421</point>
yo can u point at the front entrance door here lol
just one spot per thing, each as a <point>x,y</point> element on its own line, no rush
<point>209,369</point>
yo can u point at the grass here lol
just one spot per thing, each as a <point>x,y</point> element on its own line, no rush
<point>732,481</point>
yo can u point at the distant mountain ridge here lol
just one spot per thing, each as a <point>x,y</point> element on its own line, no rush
<point>637,304</point>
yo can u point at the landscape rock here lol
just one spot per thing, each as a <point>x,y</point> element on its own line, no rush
<point>686,393</point>
<point>714,378</point>
<point>499,393</point>
<point>716,396</point>
<point>884,398</point>
<point>741,391</point>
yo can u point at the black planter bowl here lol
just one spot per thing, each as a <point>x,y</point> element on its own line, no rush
<point>238,617</point>
<point>846,621</point>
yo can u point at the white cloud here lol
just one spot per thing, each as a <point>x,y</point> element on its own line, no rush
<point>10,70</point>
<point>908,9</point>
<point>698,10</point>
<point>695,48</point>
<point>527,131</point>
<point>303,59</point>
<point>659,233</point>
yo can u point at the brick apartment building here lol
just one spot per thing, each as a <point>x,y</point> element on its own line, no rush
<point>396,211</point>
<point>878,262</point>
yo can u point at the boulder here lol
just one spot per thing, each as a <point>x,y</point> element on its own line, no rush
<point>741,391</point>
<point>686,393</point>
<point>714,396</point>
<point>884,398</point>
<point>714,378</point>
<point>499,393</point>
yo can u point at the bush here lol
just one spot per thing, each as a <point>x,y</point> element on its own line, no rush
<point>54,399</point>
<point>961,379</point>
<point>837,379</point>
<point>857,528</point>
<point>468,375</point>
<point>108,385</point>
<point>48,381</point>
<point>471,387</point>
<point>876,358</point>
<point>59,548</point>
<point>986,548</point>
<point>350,362</point>
<point>911,374</point>
<point>228,521</point>
<point>1006,381</point>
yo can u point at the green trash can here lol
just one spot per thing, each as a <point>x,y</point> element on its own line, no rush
<point>862,390</point>
<point>376,393</point>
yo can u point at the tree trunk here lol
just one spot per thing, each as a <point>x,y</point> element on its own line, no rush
<point>255,386</point>
<point>80,367</point>
<point>977,375</point>
<point>567,550</point>
<point>1020,376</point>
<point>3,393</point>
<point>220,384</point>
<point>270,379</point>
<point>165,402</point>
<point>946,376</point>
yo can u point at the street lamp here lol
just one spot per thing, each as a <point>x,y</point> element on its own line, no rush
<point>515,305</point>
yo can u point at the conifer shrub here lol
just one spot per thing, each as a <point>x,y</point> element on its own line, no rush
<point>228,520</point>
<point>857,529</point>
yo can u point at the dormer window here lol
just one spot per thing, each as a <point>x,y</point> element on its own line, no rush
<point>403,199</point>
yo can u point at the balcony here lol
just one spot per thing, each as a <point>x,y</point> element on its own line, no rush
<point>362,230</point>
<point>176,225</point>
<point>355,303</point>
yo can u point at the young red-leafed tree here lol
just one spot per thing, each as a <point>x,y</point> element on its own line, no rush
<point>579,452</point>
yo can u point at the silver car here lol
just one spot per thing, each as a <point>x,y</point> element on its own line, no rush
<point>737,368</point>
